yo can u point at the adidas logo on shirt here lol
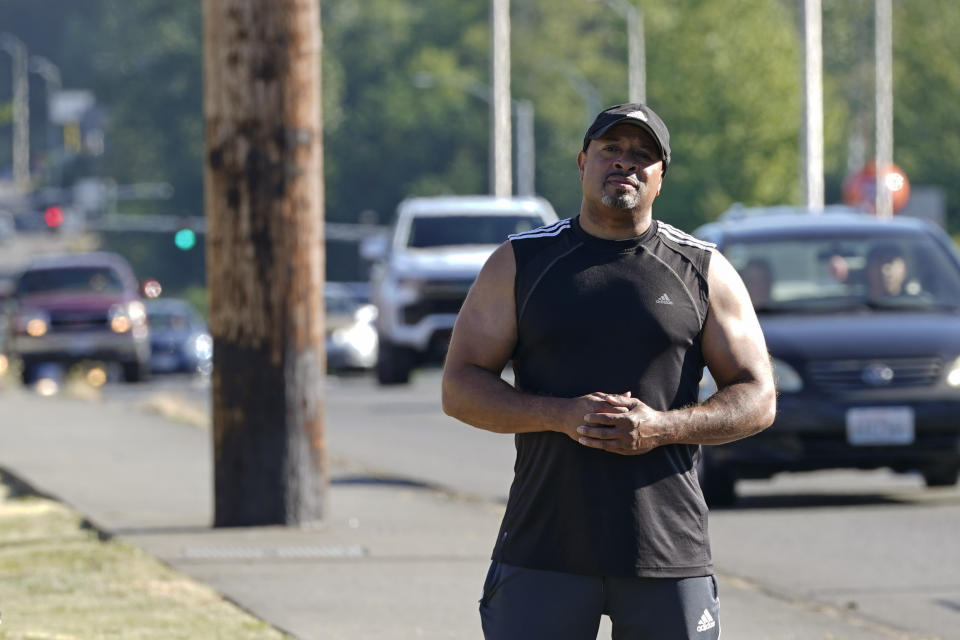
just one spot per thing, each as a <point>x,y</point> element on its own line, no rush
<point>664,299</point>
<point>706,622</point>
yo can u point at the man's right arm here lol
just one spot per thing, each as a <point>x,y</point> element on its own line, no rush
<point>484,337</point>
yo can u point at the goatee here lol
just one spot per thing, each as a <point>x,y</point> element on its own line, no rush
<point>622,199</point>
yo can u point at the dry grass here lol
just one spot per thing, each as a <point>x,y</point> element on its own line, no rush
<point>59,581</point>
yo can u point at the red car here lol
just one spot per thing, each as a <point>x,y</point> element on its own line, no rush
<point>79,307</point>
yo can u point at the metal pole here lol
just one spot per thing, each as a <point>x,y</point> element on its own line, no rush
<point>21,110</point>
<point>500,104</point>
<point>812,129</point>
<point>51,77</point>
<point>636,54</point>
<point>526,165</point>
<point>884,62</point>
<point>636,48</point>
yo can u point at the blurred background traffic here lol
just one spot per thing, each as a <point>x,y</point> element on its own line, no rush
<point>102,226</point>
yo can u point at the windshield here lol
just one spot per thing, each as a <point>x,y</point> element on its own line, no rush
<point>439,231</point>
<point>73,279</point>
<point>168,320</point>
<point>339,304</point>
<point>843,273</point>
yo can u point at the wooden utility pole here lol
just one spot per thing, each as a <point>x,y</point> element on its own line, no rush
<point>264,200</point>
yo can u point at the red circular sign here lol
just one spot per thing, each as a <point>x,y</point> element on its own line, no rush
<point>860,188</point>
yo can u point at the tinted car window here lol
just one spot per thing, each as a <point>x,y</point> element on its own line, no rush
<point>79,279</point>
<point>438,231</point>
<point>839,273</point>
<point>164,320</point>
<point>339,304</point>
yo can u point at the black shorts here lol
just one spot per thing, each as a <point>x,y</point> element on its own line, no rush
<point>528,604</point>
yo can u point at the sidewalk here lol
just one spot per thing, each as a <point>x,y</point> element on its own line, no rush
<point>392,559</point>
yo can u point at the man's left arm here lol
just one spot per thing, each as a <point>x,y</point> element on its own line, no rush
<point>736,355</point>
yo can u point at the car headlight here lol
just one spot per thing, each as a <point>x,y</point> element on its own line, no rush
<point>365,314</point>
<point>362,338</point>
<point>786,377</point>
<point>708,386</point>
<point>124,317</point>
<point>953,374</point>
<point>203,346</point>
<point>33,323</point>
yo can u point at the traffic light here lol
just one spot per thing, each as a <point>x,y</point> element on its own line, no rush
<point>185,239</point>
<point>53,217</point>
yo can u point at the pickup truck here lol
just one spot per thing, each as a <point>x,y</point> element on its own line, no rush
<point>423,270</point>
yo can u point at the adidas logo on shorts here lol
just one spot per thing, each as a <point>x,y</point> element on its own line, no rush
<point>706,622</point>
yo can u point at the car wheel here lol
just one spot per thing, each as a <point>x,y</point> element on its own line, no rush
<point>28,372</point>
<point>135,371</point>
<point>394,363</point>
<point>941,476</point>
<point>717,484</point>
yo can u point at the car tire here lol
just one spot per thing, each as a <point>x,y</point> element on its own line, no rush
<point>135,371</point>
<point>394,363</point>
<point>719,485</point>
<point>941,476</point>
<point>28,372</point>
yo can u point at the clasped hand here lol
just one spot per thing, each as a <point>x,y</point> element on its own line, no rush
<point>619,424</point>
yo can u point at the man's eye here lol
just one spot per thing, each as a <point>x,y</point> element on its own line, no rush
<point>612,148</point>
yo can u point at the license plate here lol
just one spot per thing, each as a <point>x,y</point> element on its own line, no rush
<point>164,361</point>
<point>80,345</point>
<point>867,426</point>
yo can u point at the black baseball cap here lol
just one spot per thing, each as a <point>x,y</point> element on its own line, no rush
<point>636,114</point>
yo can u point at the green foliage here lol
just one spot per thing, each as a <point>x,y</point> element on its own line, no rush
<point>403,82</point>
<point>927,89</point>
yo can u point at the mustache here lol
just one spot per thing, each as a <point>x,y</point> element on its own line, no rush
<point>632,179</point>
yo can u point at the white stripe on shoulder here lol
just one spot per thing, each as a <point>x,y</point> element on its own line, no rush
<point>543,232</point>
<point>680,237</point>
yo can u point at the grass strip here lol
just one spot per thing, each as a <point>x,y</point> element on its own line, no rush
<point>60,581</point>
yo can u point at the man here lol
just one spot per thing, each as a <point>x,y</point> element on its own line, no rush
<point>608,318</point>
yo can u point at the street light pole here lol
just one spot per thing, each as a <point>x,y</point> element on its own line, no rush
<point>884,62</point>
<point>525,148</point>
<point>51,77</point>
<point>500,103</point>
<point>523,109</point>
<point>636,48</point>
<point>21,110</point>
<point>812,129</point>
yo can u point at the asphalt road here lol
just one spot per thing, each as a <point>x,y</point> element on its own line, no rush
<point>876,545</point>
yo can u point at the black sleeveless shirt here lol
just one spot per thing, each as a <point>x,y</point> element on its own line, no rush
<point>611,316</point>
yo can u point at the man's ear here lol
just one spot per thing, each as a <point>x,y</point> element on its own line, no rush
<point>581,161</point>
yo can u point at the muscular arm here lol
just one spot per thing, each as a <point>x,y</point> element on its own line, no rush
<point>736,354</point>
<point>483,340</point>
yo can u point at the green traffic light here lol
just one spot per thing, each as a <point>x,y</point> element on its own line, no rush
<point>185,239</point>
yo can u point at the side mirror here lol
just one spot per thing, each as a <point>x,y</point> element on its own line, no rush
<point>374,248</point>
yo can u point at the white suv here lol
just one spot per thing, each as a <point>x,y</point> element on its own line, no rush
<point>424,270</point>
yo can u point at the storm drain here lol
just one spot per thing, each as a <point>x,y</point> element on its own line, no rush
<point>331,552</point>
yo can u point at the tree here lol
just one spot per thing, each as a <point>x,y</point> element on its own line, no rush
<point>264,205</point>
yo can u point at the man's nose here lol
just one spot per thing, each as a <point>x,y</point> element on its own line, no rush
<point>625,163</point>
